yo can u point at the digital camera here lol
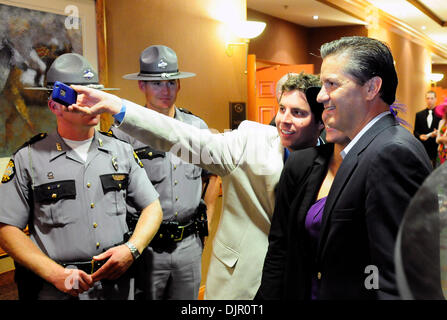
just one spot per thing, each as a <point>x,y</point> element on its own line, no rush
<point>63,94</point>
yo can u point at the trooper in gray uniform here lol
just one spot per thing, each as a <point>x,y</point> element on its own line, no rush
<point>174,256</point>
<point>71,187</point>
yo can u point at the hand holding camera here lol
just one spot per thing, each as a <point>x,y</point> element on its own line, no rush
<point>63,94</point>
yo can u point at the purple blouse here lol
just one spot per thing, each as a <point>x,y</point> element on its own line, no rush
<point>313,225</point>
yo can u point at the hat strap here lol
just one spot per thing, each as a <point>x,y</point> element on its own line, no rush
<point>164,75</point>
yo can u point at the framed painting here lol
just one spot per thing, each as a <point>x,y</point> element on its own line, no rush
<point>32,35</point>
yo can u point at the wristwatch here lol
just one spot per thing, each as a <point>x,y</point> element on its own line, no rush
<point>133,250</point>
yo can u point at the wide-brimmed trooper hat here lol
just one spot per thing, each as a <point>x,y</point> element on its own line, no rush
<point>158,63</point>
<point>71,68</point>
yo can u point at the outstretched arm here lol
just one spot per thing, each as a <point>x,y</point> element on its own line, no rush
<point>218,153</point>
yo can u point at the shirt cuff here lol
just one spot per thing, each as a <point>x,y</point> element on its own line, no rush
<point>120,115</point>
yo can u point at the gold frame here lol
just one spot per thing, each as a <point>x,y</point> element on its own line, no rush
<point>99,59</point>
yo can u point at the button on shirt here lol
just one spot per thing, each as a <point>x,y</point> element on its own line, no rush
<point>76,209</point>
<point>178,183</point>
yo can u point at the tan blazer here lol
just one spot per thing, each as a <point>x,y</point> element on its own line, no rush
<point>249,161</point>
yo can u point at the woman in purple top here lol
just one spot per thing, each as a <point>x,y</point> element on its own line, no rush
<point>289,271</point>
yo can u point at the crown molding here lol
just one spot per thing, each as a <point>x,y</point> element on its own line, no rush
<point>362,9</point>
<point>421,7</point>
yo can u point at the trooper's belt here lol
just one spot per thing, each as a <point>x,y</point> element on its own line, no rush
<point>173,232</point>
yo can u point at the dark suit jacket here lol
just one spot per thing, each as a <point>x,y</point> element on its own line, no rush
<point>288,263</point>
<point>363,211</point>
<point>421,127</point>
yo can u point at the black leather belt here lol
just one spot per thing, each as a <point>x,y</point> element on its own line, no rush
<point>171,232</point>
<point>88,267</point>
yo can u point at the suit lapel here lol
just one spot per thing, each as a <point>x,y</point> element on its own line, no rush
<point>314,181</point>
<point>345,171</point>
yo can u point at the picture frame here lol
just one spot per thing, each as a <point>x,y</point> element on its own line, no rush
<point>92,29</point>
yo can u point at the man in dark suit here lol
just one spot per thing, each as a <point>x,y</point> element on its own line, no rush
<point>383,166</point>
<point>426,125</point>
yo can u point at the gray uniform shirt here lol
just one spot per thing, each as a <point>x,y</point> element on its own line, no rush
<point>178,183</point>
<point>74,209</point>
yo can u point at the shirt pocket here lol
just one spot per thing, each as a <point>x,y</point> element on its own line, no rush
<point>114,186</point>
<point>54,202</point>
<point>154,163</point>
<point>192,172</point>
<point>225,254</point>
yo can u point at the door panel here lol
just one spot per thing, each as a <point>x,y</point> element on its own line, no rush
<point>266,78</point>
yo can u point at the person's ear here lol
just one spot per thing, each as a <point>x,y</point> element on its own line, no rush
<point>54,107</point>
<point>141,85</point>
<point>373,87</point>
<point>320,126</point>
<point>178,85</point>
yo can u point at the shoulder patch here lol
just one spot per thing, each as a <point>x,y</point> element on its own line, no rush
<point>9,172</point>
<point>33,140</point>
<point>137,160</point>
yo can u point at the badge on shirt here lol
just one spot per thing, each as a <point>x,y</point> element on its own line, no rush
<point>9,172</point>
<point>137,160</point>
<point>114,163</point>
<point>118,177</point>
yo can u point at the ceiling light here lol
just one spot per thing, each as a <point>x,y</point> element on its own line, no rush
<point>247,29</point>
<point>435,77</point>
<point>315,17</point>
<point>423,27</point>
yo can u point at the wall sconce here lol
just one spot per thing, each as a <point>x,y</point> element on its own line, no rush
<point>435,77</point>
<point>246,30</point>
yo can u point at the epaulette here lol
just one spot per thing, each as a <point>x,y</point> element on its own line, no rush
<point>112,135</point>
<point>108,133</point>
<point>33,140</point>
<point>188,112</point>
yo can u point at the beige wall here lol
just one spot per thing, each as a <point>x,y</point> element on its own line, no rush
<point>289,43</point>
<point>318,36</point>
<point>192,30</point>
<point>281,41</point>
<point>413,63</point>
<point>441,68</point>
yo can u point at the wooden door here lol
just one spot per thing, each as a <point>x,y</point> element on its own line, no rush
<point>441,94</point>
<point>266,105</point>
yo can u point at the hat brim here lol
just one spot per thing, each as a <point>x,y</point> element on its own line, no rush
<point>138,76</point>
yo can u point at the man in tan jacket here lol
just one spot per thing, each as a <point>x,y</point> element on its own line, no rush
<point>249,161</point>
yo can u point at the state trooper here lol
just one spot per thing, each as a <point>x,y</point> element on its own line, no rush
<point>174,256</point>
<point>71,188</point>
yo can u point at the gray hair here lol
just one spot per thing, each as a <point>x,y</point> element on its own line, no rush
<point>368,58</point>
